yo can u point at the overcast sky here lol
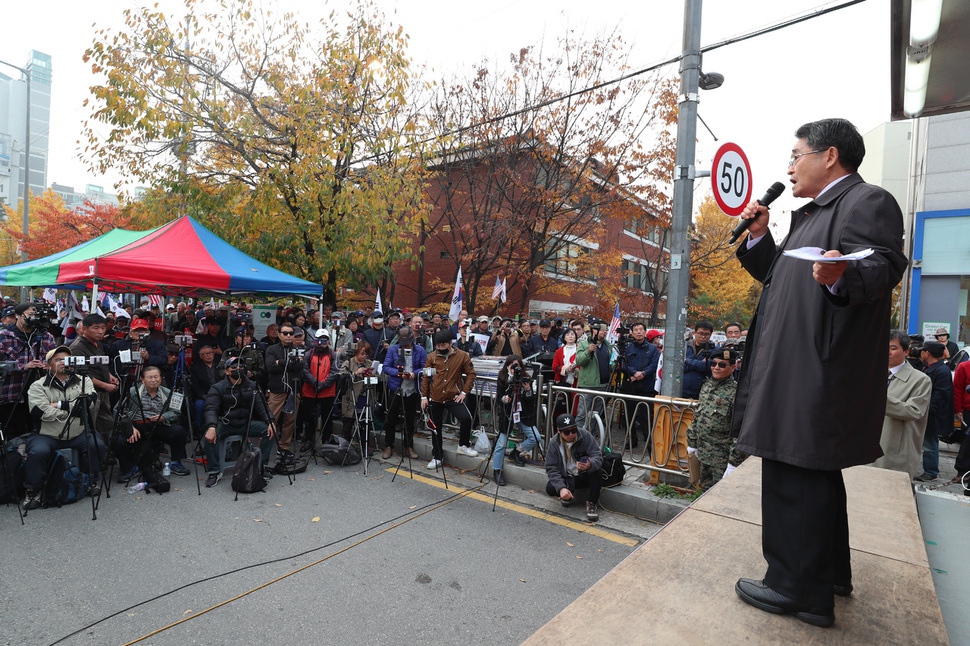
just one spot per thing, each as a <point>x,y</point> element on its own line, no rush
<point>836,65</point>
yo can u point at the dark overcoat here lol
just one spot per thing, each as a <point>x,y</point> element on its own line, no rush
<point>812,390</point>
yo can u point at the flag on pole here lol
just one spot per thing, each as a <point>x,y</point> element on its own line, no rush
<point>456,299</point>
<point>50,295</point>
<point>85,305</point>
<point>498,292</point>
<point>614,325</point>
<point>377,301</point>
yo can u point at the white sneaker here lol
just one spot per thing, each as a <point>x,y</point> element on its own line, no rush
<point>469,451</point>
<point>434,464</point>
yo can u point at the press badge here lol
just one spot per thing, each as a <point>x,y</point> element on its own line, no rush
<point>176,402</point>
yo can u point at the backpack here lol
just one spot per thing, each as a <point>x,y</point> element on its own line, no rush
<point>65,483</point>
<point>154,480</point>
<point>298,466</point>
<point>12,472</point>
<point>613,469</point>
<point>248,475</point>
<point>338,451</point>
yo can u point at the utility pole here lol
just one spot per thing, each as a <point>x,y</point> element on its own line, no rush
<point>684,173</point>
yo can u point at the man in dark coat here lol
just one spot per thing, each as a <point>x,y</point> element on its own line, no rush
<point>940,419</point>
<point>812,392</point>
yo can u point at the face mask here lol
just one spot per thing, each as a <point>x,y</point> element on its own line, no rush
<point>443,353</point>
<point>233,374</point>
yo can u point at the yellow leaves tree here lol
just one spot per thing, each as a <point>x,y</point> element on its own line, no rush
<point>295,143</point>
<point>721,290</point>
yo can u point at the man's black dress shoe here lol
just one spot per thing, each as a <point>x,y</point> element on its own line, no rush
<point>842,589</point>
<point>757,594</point>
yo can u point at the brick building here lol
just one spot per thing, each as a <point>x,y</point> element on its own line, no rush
<point>566,237</point>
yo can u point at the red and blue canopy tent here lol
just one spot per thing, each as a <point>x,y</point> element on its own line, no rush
<point>179,258</point>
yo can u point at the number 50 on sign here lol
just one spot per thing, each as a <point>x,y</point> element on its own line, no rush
<point>731,179</point>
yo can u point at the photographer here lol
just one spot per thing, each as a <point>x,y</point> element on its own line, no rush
<point>517,407</point>
<point>144,349</point>
<point>506,341</point>
<point>403,369</point>
<point>23,343</point>
<point>319,390</point>
<point>696,354</point>
<point>378,336</point>
<point>228,405</point>
<point>89,344</point>
<point>642,358</point>
<point>340,334</point>
<point>53,400</point>
<point>284,366</point>
<point>593,358</point>
<point>452,379</point>
<point>574,461</point>
<point>353,371</point>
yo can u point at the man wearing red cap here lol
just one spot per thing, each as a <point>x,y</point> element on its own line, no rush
<point>144,349</point>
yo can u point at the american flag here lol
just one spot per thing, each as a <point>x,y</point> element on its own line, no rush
<point>154,299</point>
<point>614,324</point>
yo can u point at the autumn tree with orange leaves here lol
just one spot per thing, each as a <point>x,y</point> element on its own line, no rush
<point>721,290</point>
<point>54,227</point>
<point>526,187</point>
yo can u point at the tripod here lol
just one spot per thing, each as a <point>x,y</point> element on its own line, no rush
<point>364,418</point>
<point>107,470</point>
<point>181,378</point>
<point>3,463</point>
<point>408,439</point>
<point>504,437</point>
<point>82,408</point>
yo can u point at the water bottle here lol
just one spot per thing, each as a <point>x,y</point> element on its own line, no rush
<point>167,469</point>
<point>135,488</point>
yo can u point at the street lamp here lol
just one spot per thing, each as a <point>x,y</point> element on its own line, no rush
<point>23,254</point>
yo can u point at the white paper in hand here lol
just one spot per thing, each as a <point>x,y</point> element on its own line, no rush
<point>815,254</point>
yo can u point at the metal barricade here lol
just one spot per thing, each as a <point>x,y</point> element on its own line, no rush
<point>616,412</point>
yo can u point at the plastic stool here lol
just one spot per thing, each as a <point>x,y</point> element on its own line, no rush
<point>222,447</point>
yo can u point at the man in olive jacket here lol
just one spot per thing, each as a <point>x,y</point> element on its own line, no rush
<point>812,392</point>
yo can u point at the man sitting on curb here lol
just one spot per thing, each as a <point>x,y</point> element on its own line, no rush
<point>574,461</point>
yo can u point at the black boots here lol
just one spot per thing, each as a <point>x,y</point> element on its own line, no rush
<point>499,478</point>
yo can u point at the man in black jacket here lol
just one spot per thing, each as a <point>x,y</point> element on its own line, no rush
<point>230,405</point>
<point>284,365</point>
<point>574,461</point>
<point>940,419</point>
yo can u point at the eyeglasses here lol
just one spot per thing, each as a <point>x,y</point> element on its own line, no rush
<point>720,364</point>
<point>794,158</point>
<point>286,333</point>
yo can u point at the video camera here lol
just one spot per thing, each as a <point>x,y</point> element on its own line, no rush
<point>7,367</point>
<point>296,353</point>
<point>43,316</point>
<point>704,349</point>
<point>81,365</point>
<point>184,340</point>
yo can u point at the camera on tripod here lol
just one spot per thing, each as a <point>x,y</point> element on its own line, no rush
<point>296,353</point>
<point>704,349</point>
<point>128,358</point>
<point>7,367</point>
<point>42,317</point>
<point>81,365</point>
<point>184,340</point>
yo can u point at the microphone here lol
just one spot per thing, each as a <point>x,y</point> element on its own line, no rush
<point>770,195</point>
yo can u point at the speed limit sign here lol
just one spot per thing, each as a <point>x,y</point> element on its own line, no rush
<point>731,179</point>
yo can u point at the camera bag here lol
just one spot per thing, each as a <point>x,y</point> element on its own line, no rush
<point>12,471</point>
<point>337,450</point>
<point>65,483</point>
<point>613,469</point>
<point>248,475</point>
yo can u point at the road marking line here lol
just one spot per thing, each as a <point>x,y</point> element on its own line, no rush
<point>534,513</point>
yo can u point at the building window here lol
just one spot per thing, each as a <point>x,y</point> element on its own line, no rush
<point>635,275</point>
<point>562,257</point>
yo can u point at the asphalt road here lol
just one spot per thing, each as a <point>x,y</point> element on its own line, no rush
<point>336,558</point>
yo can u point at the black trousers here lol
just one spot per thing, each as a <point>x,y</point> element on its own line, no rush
<point>406,406</point>
<point>461,415</point>
<point>592,480</point>
<point>805,532</point>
